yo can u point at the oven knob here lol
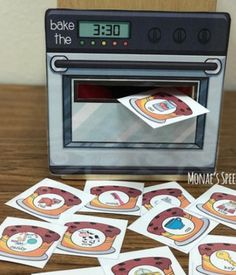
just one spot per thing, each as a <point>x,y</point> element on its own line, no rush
<point>179,35</point>
<point>154,35</point>
<point>204,36</point>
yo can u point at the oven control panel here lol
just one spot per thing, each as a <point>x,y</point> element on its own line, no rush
<point>136,32</point>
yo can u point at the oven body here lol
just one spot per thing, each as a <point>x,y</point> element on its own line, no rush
<point>96,135</point>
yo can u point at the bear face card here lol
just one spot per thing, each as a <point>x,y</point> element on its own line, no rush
<point>28,242</point>
<point>118,197</point>
<point>48,199</point>
<point>82,271</point>
<point>214,255</point>
<point>92,236</point>
<point>156,261</point>
<point>170,192</point>
<point>219,204</point>
<point>173,226</point>
<point>163,106</point>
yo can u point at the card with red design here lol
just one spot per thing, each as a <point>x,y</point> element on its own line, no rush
<point>218,204</point>
<point>48,199</point>
<point>118,197</point>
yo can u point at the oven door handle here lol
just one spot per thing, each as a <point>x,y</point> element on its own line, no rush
<point>209,65</point>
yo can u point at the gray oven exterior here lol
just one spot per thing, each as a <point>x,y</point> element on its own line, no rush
<point>64,158</point>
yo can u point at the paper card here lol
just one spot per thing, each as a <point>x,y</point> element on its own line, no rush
<point>163,106</point>
<point>213,255</point>
<point>118,197</point>
<point>173,226</point>
<point>28,242</point>
<point>170,192</point>
<point>219,204</point>
<point>158,261</point>
<point>83,271</point>
<point>92,236</point>
<point>48,199</point>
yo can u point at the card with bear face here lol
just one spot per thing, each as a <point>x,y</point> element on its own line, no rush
<point>28,242</point>
<point>92,236</point>
<point>173,226</point>
<point>170,192</point>
<point>158,261</point>
<point>163,106</point>
<point>118,197</point>
<point>219,204</point>
<point>82,271</point>
<point>48,199</point>
<point>214,255</point>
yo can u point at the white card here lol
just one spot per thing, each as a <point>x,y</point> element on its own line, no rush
<point>48,199</point>
<point>28,242</point>
<point>219,204</point>
<point>82,271</point>
<point>118,197</point>
<point>170,192</point>
<point>173,226</point>
<point>150,261</point>
<point>163,106</point>
<point>92,236</point>
<point>213,255</point>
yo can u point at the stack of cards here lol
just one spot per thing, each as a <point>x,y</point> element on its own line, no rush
<point>169,214</point>
<point>27,242</point>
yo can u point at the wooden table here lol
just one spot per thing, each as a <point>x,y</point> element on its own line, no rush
<point>23,162</point>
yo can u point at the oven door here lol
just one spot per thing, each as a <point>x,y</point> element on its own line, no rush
<point>90,132</point>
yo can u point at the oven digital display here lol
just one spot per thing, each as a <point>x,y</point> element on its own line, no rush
<point>92,29</point>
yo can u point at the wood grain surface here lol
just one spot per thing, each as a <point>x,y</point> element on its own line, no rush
<point>23,162</point>
<point>161,5</point>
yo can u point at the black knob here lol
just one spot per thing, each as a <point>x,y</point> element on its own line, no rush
<point>154,35</point>
<point>179,35</point>
<point>204,36</point>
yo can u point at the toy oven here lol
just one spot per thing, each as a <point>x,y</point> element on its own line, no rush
<point>95,57</point>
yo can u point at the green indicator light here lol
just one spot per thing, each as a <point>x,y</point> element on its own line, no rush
<point>93,43</point>
<point>82,42</point>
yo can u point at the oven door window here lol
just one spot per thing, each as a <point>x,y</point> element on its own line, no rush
<point>94,118</point>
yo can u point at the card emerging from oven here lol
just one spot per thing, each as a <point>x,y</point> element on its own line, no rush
<point>28,242</point>
<point>163,106</point>
<point>158,261</point>
<point>173,226</point>
<point>118,197</point>
<point>92,236</point>
<point>83,271</point>
<point>219,204</point>
<point>48,199</point>
<point>214,255</point>
<point>170,192</point>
